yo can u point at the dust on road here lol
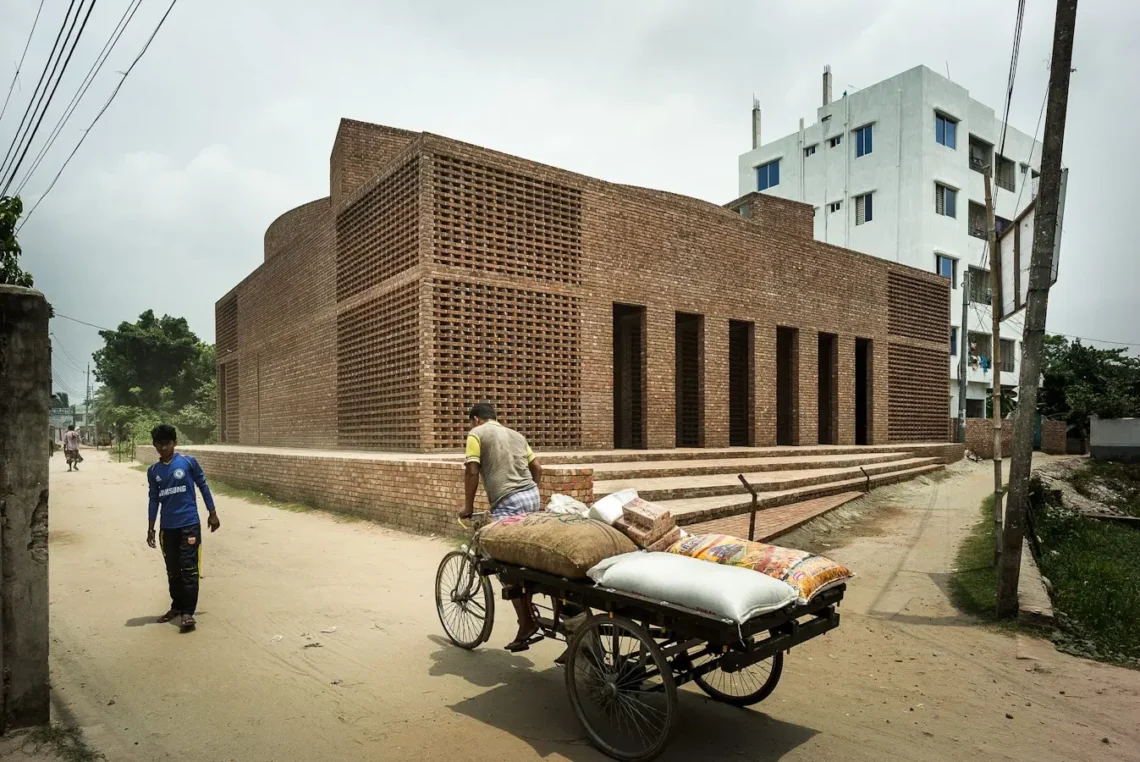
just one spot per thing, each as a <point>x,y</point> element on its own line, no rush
<point>904,677</point>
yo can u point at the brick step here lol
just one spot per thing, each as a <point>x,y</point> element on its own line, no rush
<point>655,469</point>
<point>636,456</point>
<point>774,522</point>
<point>701,509</point>
<point>684,487</point>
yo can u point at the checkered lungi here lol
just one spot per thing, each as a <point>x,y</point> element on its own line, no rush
<point>517,504</point>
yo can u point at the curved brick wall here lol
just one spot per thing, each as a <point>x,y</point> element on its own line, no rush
<point>295,221</point>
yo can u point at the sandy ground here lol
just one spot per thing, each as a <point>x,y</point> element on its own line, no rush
<point>904,677</point>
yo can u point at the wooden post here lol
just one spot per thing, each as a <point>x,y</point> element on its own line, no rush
<point>995,359</point>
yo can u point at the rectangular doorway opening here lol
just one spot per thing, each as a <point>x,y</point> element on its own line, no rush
<point>828,388</point>
<point>787,386</point>
<point>629,377</point>
<point>864,385</point>
<point>740,386</point>
<point>690,394</point>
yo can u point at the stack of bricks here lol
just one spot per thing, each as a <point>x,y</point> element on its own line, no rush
<point>417,495</point>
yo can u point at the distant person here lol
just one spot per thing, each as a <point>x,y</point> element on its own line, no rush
<point>171,481</point>
<point>71,448</point>
<point>510,478</point>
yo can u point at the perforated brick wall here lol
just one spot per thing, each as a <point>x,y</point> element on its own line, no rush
<point>919,395</point>
<point>230,398</point>
<point>505,222</point>
<point>377,235</point>
<point>917,308</point>
<point>516,348</point>
<point>377,374</point>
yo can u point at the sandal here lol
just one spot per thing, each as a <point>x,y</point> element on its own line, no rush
<point>169,615</point>
<point>524,643</point>
<point>188,622</point>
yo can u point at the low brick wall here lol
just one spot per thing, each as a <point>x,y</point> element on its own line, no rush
<point>420,496</point>
<point>1054,437</point>
<point>980,437</point>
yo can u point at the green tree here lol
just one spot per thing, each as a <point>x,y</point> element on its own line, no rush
<point>140,360</point>
<point>10,273</point>
<point>1080,381</point>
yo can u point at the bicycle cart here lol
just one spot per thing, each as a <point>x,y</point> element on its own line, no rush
<point>626,661</point>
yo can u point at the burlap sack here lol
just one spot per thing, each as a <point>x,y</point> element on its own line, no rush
<point>566,545</point>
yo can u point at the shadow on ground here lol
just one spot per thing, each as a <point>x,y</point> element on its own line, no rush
<point>529,701</point>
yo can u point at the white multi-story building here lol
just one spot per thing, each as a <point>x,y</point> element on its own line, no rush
<point>895,170</point>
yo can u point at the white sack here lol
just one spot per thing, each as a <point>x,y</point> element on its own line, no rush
<point>608,509</point>
<point>727,592</point>
<point>566,504</point>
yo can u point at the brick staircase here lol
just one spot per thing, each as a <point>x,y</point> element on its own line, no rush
<point>700,486</point>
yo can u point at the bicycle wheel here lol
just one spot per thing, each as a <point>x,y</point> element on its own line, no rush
<point>745,687</point>
<point>464,600</point>
<point>622,689</point>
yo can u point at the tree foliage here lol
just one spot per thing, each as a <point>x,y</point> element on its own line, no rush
<point>1080,381</point>
<point>153,371</point>
<point>10,273</point>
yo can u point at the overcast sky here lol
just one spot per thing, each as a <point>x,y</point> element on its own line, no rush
<point>229,119</point>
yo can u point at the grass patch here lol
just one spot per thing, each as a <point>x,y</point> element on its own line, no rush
<point>66,743</point>
<point>1094,567</point>
<point>973,586</point>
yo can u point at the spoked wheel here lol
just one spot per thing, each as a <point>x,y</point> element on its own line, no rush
<point>464,600</point>
<point>745,687</point>
<point>621,687</point>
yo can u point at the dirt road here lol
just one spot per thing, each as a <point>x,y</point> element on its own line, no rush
<point>904,677</point>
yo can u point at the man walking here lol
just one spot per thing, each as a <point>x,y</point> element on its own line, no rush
<point>171,481</point>
<point>510,475</point>
<point>71,448</point>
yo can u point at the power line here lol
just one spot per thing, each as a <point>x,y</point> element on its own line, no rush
<point>47,104</point>
<point>75,364</point>
<point>99,115</point>
<point>20,65</point>
<point>1012,72</point>
<point>81,322</point>
<point>16,140</point>
<point>88,80</point>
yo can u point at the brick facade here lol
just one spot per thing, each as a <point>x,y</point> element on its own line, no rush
<point>439,274</point>
<point>1054,437</point>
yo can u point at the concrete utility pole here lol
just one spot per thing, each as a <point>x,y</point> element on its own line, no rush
<point>1037,305</point>
<point>25,405</point>
<point>963,351</point>
<point>995,359</point>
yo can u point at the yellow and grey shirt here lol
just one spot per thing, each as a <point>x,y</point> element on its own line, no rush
<point>503,457</point>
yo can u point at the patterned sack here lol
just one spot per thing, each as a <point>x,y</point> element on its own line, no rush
<point>563,544</point>
<point>809,574</point>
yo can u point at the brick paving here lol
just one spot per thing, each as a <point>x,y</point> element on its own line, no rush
<point>773,522</point>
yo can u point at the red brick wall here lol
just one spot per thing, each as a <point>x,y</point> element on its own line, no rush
<point>421,496</point>
<point>980,437</point>
<point>1054,437</point>
<point>294,223</point>
<point>535,258</point>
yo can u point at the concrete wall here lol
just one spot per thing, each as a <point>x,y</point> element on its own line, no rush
<point>1115,439</point>
<point>25,400</point>
<point>901,170</point>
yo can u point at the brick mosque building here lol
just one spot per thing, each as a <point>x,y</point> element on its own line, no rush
<point>593,315</point>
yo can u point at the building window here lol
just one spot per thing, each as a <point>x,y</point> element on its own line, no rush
<point>979,285</point>
<point>981,346</point>
<point>946,130</point>
<point>833,142</point>
<point>835,206</point>
<point>945,200</point>
<point>947,267</point>
<point>977,220</point>
<point>863,209</point>
<point>954,341</point>
<point>1006,171</point>
<point>1008,355</point>
<point>975,408</point>
<point>863,141</point>
<point>768,175</point>
<point>1001,224</point>
<point>809,151</point>
<point>981,154</point>
<point>745,211</point>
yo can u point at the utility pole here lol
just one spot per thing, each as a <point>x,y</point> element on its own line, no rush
<point>1037,305</point>
<point>995,358</point>
<point>963,350</point>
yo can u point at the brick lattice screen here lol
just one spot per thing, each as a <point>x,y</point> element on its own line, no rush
<point>516,348</point>
<point>226,326</point>
<point>503,222</point>
<point>377,375</point>
<point>917,309</point>
<point>916,381</point>
<point>377,235</point>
